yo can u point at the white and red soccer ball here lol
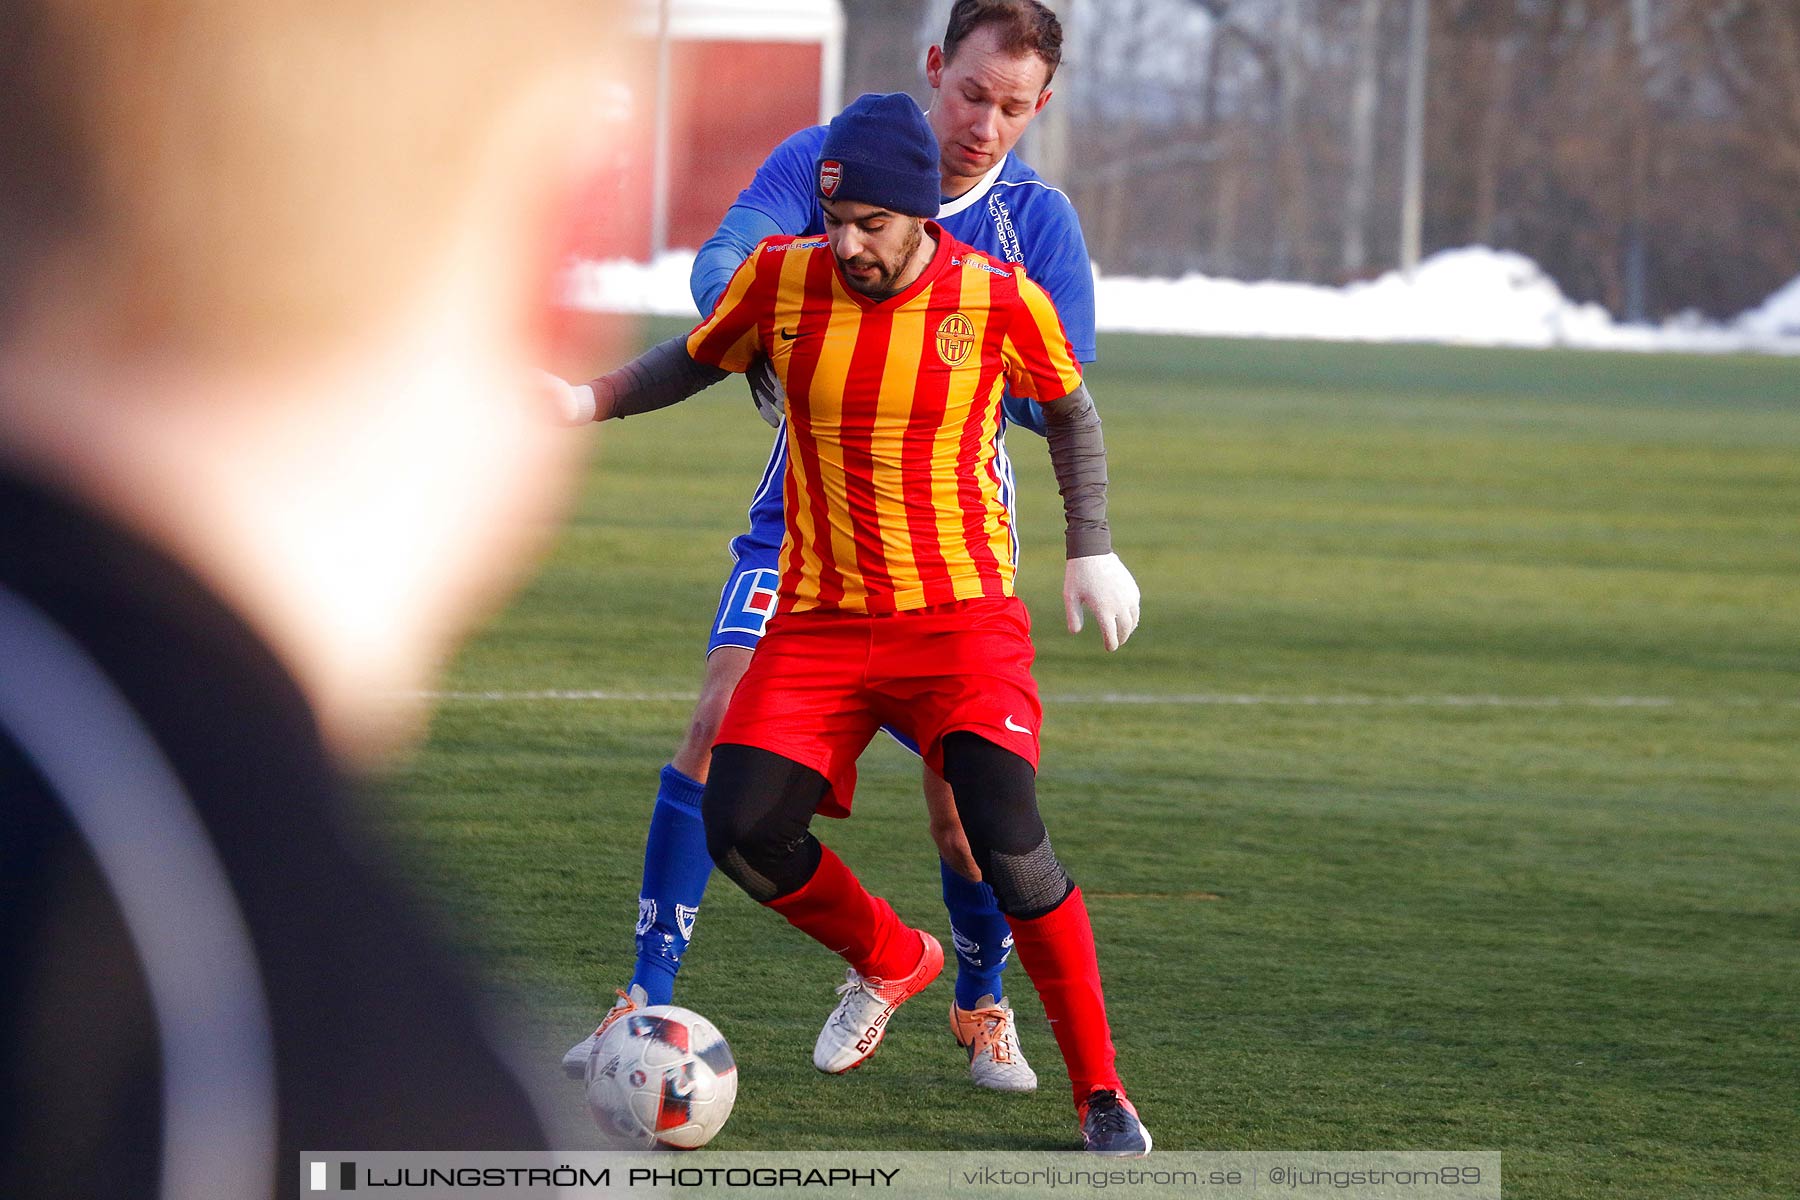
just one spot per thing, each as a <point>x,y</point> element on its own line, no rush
<point>661,1078</point>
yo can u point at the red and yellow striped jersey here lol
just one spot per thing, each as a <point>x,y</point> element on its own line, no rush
<point>891,495</point>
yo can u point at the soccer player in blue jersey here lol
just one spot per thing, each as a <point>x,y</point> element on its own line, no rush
<point>989,78</point>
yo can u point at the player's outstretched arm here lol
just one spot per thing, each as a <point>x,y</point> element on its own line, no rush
<point>663,375</point>
<point>1094,578</point>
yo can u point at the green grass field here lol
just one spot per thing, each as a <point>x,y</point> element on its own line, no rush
<point>1448,796</point>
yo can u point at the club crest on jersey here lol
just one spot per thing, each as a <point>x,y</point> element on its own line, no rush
<point>831,173</point>
<point>955,339</point>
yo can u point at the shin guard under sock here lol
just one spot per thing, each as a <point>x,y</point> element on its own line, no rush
<point>982,937</point>
<point>835,910</point>
<point>676,870</point>
<point>1057,952</point>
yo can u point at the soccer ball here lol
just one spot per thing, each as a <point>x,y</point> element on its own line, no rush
<point>661,1078</point>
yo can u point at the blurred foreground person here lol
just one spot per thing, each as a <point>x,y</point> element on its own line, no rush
<point>268,276</point>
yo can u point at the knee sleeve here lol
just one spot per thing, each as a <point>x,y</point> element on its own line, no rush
<point>1028,885</point>
<point>758,808</point>
<point>996,796</point>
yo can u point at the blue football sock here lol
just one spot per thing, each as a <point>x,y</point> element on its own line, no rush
<point>676,868</point>
<point>983,938</point>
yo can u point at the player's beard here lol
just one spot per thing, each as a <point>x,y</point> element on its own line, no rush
<point>884,282</point>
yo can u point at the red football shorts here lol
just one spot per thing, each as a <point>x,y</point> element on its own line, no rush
<point>822,683</point>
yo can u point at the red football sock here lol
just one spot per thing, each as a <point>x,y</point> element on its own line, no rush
<point>835,910</point>
<point>1057,950</point>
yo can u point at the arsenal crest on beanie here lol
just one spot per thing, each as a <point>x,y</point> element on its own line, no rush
<point>881,151</point>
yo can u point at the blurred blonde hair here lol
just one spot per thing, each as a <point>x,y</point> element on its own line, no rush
<point>225,176</point>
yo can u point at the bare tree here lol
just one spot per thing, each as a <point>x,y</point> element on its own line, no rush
<point>880,37</point>
<point>1645,152</point>
<point>1755,46</point>
<point>1363,101</point>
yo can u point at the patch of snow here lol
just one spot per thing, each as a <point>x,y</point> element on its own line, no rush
<point>1473,296</point>
<point>1779,315</point>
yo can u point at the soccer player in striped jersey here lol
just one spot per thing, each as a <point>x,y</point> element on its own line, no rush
<point>990,77</point>
<point>893,343</point>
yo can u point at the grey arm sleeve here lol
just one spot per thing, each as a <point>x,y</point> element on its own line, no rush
<point>1078,456</point>
<point>663,375</point>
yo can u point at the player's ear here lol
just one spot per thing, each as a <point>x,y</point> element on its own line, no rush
<point>1043,99</point>
<point>934,67</point>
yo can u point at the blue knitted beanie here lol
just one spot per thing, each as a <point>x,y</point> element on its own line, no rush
<point>881,151</point>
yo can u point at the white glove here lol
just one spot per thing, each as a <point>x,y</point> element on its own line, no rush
<point>567,404</point>
<point>1101,583</point>
<point>766,393</point>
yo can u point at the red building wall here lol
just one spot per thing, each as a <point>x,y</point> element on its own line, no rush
<point>730,103</point>
<point>733,102</point>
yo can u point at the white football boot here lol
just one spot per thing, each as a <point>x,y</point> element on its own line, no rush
<point>574,1063</point>
<point>991,1036</point>
<point>856,1026</point>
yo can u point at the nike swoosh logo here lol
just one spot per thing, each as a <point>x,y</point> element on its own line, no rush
<point>788,337</point>
<point>1016,728</point>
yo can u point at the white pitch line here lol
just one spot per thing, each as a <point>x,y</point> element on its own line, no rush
<point>1304,701</point>
<point>1194,699</point>
<point>602,696</point>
